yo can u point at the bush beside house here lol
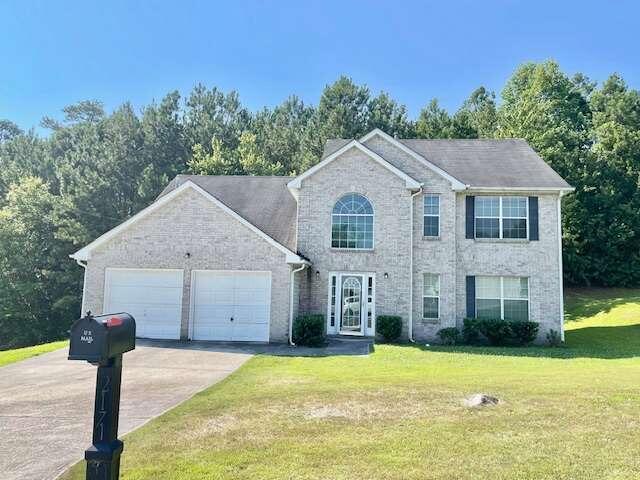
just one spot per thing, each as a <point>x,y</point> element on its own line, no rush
<point>309,330</point>
<point>496,332</point>
<point>389,327</point>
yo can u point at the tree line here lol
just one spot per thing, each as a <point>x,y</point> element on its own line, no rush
<point>95,169</point>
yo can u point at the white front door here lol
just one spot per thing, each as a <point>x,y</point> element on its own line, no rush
<point>231,305</point>
<point>153,297</point>
<point>351,309</point>
<point>351,305</point>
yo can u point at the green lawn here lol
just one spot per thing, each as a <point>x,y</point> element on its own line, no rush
<point>567,413</point>
<point>17,354</point>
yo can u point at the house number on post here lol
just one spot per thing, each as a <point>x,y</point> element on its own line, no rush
<point>101,341</point>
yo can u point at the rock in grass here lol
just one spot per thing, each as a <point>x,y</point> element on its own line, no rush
<point>481,400</point>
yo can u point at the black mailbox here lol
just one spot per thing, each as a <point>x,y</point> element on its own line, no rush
<point>102,340</point>
<point>96,339</point>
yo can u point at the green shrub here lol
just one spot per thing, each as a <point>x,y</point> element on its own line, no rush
<point>497,332</point>
<point>471,331</point>
<point>389,327</point>
<point>449,336</point>
<point>524,332</point>
<point>309,330</point>
<point>553,338</point>
<point>505,332</point>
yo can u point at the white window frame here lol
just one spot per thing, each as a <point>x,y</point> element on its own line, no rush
<point>373,224</point>
<point>502,297</point>
<point>500,217</point>
<point>425,214</point>
<point>431,296</point>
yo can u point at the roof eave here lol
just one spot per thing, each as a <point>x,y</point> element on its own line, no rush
<point>561,190</point>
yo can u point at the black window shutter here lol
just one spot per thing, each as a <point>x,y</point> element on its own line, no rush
<point>533,219</point>
<point>471,296</point>
<point>470,219</point>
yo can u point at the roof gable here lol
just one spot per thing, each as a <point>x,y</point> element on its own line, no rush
<point>455,183</point>
<point>487,164</point>
<point>410,183</point>
<point>265,201</point>
<point>85,252</point>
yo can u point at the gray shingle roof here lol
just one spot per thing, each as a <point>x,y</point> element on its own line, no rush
<point>267,203</point>
<point>508,163</point>
<point>263,201</point>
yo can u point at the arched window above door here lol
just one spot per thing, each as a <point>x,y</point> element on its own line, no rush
<point>352,223</point>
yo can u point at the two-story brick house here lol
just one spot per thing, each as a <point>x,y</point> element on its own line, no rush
<point>431,230</point>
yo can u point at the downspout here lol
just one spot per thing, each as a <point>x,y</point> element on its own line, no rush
<point>560,273</point>
<point>293,272</point>
<point>411,266</point>
<point>84,284</point>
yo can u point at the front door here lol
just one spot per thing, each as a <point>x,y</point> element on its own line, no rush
<point>351,308</point>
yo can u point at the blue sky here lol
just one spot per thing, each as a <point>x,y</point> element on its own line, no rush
<point>56,53</point>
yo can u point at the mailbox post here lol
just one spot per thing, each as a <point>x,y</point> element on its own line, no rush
<point>101,341</point>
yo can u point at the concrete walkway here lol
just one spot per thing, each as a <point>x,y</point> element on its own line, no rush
<point>46,402</point>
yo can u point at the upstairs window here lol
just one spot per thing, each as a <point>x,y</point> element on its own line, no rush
<point>431,224</point>
<point>501,217</point>
<point>352,223</point>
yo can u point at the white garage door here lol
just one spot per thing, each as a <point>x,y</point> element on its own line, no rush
<point>231,306</point>
<point>153,297</point>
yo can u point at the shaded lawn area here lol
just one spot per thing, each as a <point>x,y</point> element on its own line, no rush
<point>17,354</point>
<point>568,413</point>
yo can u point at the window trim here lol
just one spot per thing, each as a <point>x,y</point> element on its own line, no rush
<point>500,217</point>
<point>373,226</point>
<point>502,297</point>
<point>425,215</point>
<point>431,296</point>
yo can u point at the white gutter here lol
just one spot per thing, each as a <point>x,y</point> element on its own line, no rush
<point>411,266</point>
<point>561,190</point>
<point>293,272</point>
<point>84,284</point>
<point>560,275</point>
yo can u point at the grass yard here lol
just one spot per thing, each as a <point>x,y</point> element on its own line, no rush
<point>17,354</point>
<point>568,413</point>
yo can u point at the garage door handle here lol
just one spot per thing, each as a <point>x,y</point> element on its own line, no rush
<point>232,319</point>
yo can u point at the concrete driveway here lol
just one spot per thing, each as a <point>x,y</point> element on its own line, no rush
<point>46,402</point>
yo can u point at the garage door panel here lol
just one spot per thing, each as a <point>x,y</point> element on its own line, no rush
<point>246,314</point>
<point>146,294</point>
<point>251,296</point>
<point>146,277</point>
<point>213,314</point>
<point>215,281</point>
<point>222,333</point>
<point>251,333</point>
<point>220,296</point>
<point>224,297</point>
<point>153,297</point>
<point>252,281</point>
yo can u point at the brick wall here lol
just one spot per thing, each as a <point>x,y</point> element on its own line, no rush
<point>451,255</point>
<point>356,172</point>
<point>216,241</point>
